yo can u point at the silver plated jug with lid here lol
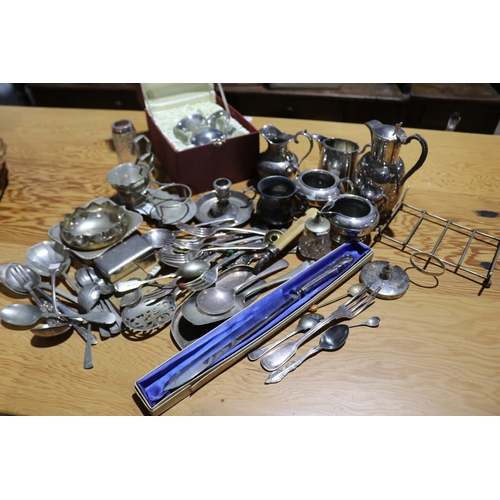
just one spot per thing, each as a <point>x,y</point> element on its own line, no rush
<point>380,174</point>
<point>278,159</point>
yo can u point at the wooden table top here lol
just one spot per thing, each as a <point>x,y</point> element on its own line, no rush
<point>436,352</point>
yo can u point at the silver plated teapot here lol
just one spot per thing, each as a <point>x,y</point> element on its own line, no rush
<point>380,174</point>
<point>278,159</point>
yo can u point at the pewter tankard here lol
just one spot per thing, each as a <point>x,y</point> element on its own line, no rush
<point>381,172</point>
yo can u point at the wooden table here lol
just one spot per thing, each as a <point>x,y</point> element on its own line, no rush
<point>436,352</point>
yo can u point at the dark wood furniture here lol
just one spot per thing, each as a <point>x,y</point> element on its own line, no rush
<point>418,105</point>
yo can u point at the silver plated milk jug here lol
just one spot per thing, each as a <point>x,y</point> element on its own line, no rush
<point>278,159</point>
<point>380,174</point>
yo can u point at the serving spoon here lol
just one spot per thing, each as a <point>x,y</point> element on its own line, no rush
<point>215,301</point>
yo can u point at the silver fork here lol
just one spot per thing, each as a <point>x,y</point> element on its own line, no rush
<point>168,256</point>
<point>348,310</point>
<point>205,232</point>
<point>200,243</point>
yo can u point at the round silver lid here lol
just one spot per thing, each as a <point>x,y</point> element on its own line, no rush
<point>393,280</point>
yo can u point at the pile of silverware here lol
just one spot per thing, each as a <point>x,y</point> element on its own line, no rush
<point>194,259</point>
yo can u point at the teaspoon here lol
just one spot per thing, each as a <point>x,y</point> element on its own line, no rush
<point>305,323</point>
<point>351,292</point>
<point>332,339</point>
<point>273,360</point>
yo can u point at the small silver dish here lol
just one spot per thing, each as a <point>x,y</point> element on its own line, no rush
<point>94,226</point>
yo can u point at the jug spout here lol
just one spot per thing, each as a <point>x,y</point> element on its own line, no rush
<point>273,135</point>
<point>320,138</point>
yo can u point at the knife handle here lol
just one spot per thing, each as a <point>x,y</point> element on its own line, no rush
<point>294,230</point>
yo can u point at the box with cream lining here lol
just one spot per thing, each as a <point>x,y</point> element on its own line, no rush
<point>197,166</point>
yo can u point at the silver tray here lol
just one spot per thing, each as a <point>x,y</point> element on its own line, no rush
<point>134,220</point>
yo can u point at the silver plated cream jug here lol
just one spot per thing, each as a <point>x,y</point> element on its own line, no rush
<point>278,159</point>
<point>339,156</point>
<point>380,174</point>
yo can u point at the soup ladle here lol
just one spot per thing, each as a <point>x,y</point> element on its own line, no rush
<point>332,339</point>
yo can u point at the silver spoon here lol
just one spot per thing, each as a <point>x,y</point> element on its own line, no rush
<point>28,279</point>
<point>217,300</point>
<point>28,314</point>
<point>88,298</point>
<point>332,339</point>
<point>15,287</point>
<point>351,292</point>
<point>270,362</point>
<point>191,269</point>
<point>87,275</point>
<point>19,282</point>
<point>305,323</point>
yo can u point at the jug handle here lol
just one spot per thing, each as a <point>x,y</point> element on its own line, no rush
<point>420,161</point>
<point>255,192</point>
<point>311,143</point>
<point>303,207</point>
<point>380,202</point>
<point>346,185</point>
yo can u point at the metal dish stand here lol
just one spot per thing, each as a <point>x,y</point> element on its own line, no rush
<point>457,267</point>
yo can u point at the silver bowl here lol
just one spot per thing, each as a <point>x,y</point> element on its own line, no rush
<point>351,217</point>
<point>94,226</point>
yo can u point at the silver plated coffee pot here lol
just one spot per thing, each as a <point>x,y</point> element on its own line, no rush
<point>278,159</point>
<point>380,174</point>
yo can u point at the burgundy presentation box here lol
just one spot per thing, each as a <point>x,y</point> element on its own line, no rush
<point>199,166</point>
